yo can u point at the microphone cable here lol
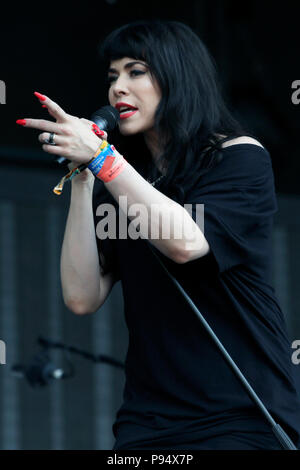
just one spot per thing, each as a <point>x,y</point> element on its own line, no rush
<point>280,434</point>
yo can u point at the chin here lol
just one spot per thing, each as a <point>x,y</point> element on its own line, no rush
<point>130,129</point>
<point>127,131</point>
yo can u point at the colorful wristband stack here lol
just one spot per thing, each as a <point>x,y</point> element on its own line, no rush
<point>102,166</point>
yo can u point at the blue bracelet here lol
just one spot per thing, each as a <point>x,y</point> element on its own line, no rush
<point>96,164</point>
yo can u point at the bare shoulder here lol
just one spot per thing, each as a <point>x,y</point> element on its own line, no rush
<point>242,140</point>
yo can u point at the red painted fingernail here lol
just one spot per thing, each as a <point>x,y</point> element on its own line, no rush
<point>96,128</point>
<point>39,96</point>
<point>22,122</point>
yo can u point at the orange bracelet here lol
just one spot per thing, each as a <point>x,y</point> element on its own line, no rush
<point>109,171</point>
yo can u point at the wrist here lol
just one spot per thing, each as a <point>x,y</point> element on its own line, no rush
<point>107,162</point>
<point>83,181</point>
<point>94,147</point>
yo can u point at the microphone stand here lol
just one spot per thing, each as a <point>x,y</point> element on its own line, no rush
<point>280,434</point>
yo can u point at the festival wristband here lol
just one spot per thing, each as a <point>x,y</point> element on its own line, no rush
<point>112,172</point>
<point>103,165</point>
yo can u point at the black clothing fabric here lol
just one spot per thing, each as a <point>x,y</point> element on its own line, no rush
<point>229,440</point>
<point>179,390</point>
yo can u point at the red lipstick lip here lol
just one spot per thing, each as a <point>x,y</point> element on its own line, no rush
<point>121,104</point>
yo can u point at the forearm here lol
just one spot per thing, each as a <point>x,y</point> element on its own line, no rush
<point>174,228</point>
<point>80,270</point>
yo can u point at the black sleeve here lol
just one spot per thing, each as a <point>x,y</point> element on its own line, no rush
<point>239,200</point>
<point>107,246</point>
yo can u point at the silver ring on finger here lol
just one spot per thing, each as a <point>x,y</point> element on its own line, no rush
<point>50,141</point>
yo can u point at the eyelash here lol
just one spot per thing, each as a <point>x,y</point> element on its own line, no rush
<point>111,79</point>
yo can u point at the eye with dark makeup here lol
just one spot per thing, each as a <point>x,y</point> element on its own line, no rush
<point>112,78</point>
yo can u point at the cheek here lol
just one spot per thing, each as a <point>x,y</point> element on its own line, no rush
<point>150,97</point>
<point>154,97</point>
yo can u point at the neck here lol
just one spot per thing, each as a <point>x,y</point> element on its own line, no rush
<point>156,149</point>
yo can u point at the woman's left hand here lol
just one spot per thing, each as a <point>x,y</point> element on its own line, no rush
<point>74,138</point>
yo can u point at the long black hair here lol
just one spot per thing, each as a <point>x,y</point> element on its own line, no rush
<point>192,111</point>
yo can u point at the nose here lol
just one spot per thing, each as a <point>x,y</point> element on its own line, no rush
<point>120,86</point>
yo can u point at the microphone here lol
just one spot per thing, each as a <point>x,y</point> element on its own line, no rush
<point>106,119</point>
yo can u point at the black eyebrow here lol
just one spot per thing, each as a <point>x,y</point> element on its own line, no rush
<point>127,66</point>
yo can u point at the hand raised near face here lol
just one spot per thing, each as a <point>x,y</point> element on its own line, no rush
<point>74,138</point>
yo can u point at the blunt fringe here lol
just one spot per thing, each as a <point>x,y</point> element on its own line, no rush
<point>192,114</point>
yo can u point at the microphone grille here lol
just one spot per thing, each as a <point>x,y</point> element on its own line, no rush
<point>109,114</point>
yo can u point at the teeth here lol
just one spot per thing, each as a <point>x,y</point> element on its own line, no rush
<point>125,109</point>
